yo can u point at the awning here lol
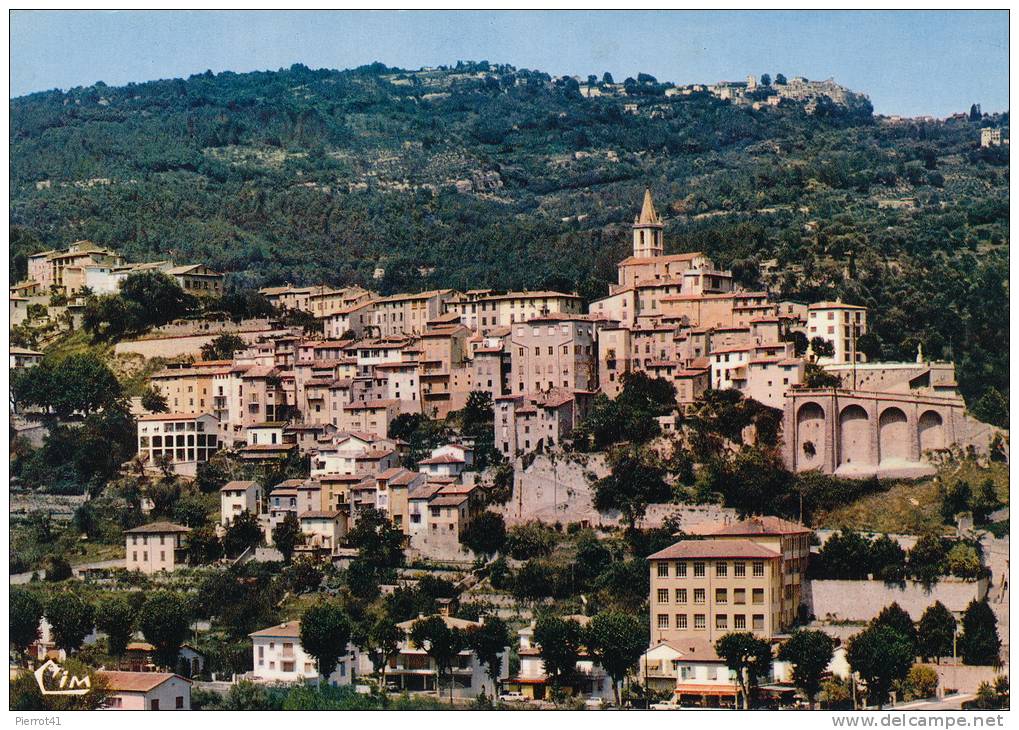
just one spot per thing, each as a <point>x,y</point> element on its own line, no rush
<point>720,690</point>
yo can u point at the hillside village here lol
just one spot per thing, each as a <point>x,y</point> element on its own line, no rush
<point>382,447</point>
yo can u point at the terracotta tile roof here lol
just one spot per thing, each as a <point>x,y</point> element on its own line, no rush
<point>764,525</point>
<point>288,630</point>
<point>237,484</point>
<point>320,515</point>
<point>714,549</point>
<point>138,681</point>
<point>425,491</point>
<point>691,649</point>
<point>450,621</point>
<point>833,305</point>
<point>157,527</point>
<point>635,260</point>
<point>443,459</point>
<point>448,500</point>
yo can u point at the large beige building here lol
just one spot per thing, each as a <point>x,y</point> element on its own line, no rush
<point>555,351</point>
<point>408,313</point>
<point>155,547</point>
<point>486,311</point>
<point>184,439</point>
<point>742,576</point>
<point>840,324</point>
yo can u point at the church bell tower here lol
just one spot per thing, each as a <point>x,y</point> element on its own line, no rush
<point>648,230</point>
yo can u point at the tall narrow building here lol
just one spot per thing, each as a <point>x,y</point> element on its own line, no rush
<point>648,231</point>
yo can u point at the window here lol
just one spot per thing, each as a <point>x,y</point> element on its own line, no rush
<point>698,570</point>
<point>681,570</point>
<point>739,596</point>
<point>758,595</point>
<point>721,621</point>
<point>758,622</point>
<point>698,595</point>
<point>739,621</point>
<point>739,569</point>
<point>680,620</point>
<point>721,595</point>
<point>721,569</point>
<point>663,620</point>
<point>758,568</point>
<point>663,570</point>
<point>153,704</point>
<point>698,621</point>
<point>681,595</point>
<point>663,595</point>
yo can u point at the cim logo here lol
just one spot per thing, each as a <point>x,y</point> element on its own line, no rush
<point>53,679</point>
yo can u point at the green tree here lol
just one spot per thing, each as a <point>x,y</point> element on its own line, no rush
<point>26,612</point>
<point>442,643</point>
<point>895,617</point>
<point>154,401</point>
<point>928,559</point>
<point>79,383</point>
<point>164,619</point>
<point>485,533</point>
<point>153,297</point>
<point>617,640</point>
<point>287,535</point>
<point>223,347</point>
<point>115,616</point>
<point>379,637</point>
<point>377,541</point>
<point>325,633</point>
<point>881,656</point>
<point>559,641</point>
<point>809,653</point>
<point>936,632</point>
<point>822,347</point>
<point>814,376</point>
<point>921,682</point>
<point>748,656</point>
<point>979,643</point>
<point>190,510</point>
<point>887,559</point>
<point>636,481</point>
<point>71,618</point>
<point>490,641</point>
<point>244,532</point>
<point>869,344</point>
<point>530,540</point>
<point>963,561</point>
<point>204,546</point>
<point>992,407</point>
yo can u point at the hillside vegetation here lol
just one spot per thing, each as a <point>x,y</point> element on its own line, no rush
<point>484,175</point>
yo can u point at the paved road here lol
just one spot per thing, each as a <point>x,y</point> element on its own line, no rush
<point>950,703</point>
<point>22,578</point>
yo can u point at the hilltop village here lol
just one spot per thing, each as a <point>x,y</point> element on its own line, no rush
<point>451,438</point>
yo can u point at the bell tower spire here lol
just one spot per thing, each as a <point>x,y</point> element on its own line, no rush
<point>648,230</point>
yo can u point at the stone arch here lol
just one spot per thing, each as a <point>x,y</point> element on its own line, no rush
<point>893,435</point>
<point>810,435</point>
<point>931,429</point>
<point>854,437</point>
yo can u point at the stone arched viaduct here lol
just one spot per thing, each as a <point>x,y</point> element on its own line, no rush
<point>860,433</point>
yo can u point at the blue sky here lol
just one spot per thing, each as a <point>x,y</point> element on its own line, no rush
<point>909,62</point>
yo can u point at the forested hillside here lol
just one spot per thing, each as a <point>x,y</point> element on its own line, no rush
<point>485,175</point>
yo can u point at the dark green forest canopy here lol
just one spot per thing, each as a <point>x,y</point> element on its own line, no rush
<point>490,176</point>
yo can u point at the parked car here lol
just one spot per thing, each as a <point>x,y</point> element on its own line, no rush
<point>512,697</point>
